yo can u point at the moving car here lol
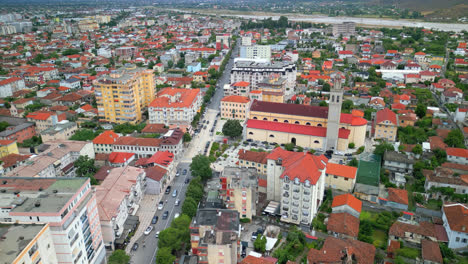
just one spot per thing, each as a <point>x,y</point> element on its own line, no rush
<point>148,230</point>
<point>176,215</point>
<point>165,215</point>
<point>157,234</point>
<point>155,219</point>
<point>184,172</point>
<point>187,181</point>
<point>174,194</point>
<point>161,205</point>
<point>177,202</point>
<point>254,235</point>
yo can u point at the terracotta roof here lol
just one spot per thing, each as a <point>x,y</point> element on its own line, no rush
<point>289,109</point>
<point>107,137</point>
<point>142,142</point>
<point>294,128</point>
<point>349,200</point>
<point>254,156</point>
<point>398,195</point>
<point>120,157</point>
<point>102,173</point>
<point>155,173</point>
<point>343,223</point>
<point>457,217</point>
<point>437,142</point>
<point>258,260</point>
<point>335,249</point>
<point>155,128</point>
<point>455,166</point>
<point>5,142</point>
<point>394,246</point>
<point>262,183</point>
<point>341,170</point>
<point>39,115</point>
<point>430,250</point>
<point>423,228</point>
<point>386,114</point>
<point>13,159</point>
<point>181,98</point>
<point>236,99</point>
<point>458,152</point>
<point>241,84</point>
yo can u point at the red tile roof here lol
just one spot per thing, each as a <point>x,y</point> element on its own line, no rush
<point>241,84</point>
<point>254,156</point>
<point>186,99</point>
<point>386,114</point>
<point>335,249</point>
<point>423,228</point>
<point>163,158</point>
<point>236,99</point>
<point>398,195</point>
<point>39,115</point>
<point>155,128</point>
<point>457,217</point>
<point>349,200</point>
<point>341,170</point>
<point>107,137</point>
<point>294,128</point>
<point>142,142</point>
<point>155,173</point>
<point>343,223</point>
<point>120,157</point>
<point>430,250</point>
<point>5,142</point>
<point>458,152</point>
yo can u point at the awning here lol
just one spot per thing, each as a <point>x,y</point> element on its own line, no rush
<point>272,208</point>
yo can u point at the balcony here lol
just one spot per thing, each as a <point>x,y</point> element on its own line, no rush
<point>296,204</point>
<point>286,194</point>
<point>296,190</point>
<point>74,240</point>
<point>285,201</point>
<point>296,197</point>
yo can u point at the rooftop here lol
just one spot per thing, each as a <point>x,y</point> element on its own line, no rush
<point>15,238</point>
<point>220,219</point>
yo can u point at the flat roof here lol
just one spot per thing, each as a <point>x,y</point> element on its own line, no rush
<point>15,238</point>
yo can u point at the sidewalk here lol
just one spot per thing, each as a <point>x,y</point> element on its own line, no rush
<point>148,207</point>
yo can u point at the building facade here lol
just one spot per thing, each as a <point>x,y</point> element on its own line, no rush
<point>455,217</point>
<point>61,131</point>
<point>235,107</point>
<point>256,52</point>
<point>123,95</point>
<point>385,125</point>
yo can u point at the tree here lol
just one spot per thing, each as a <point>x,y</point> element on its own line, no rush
<point>170,238</point>
<point>119,257</point>
<point>260,243</point>
<point>351,145</point>
<point>189,207</point>
<point>455,139</point>
<point>353,163</point>
<point>85,166</point>
<point>200,167</point>
<point>347,106</point>
<point>182,223</point>
<point>289,146</point>
<point>170,64</point>
<point>421,110</point>
<point>187,137</point>
<point>417,149</point>
<point>84,135</point>
<point>326,87</point>
<point>164,255</point>
<point>232,128</point>
<point>323,103</point>
<point>382,147</point>
<point>4,125</point>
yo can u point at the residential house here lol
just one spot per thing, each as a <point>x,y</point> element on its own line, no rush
<point>10,85</point>
<point>43,119</point>
<point>253,159</point>
<point>341,177</point>
<point>235,107</point>
<point>395,198</point>
<point>457,155</point>
<point>19,133</point>
<point>430,252</point>
<point>104,142</point>
<point>455,217</point>
<point>239,190</point>
<point>385,125</point>
<point>194,66</point>
<point>335,250</point>
<point>120,159</point>
<point>8,147</point>
<point>156,176</point>
<point>116,197</point>
<point>412,233</point>
<point>63,130</point>
<point>397,162</point>
<point>445,177</point>
<point>142,147</point>
<point>347,203</point>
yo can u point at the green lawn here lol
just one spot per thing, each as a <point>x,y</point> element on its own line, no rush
<point>380,238</point>
<point>411,253</point>
<point>433,204</point>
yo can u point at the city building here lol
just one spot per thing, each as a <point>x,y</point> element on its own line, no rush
<point>142,147</point>
<point>344,29</point>
<point>341,177</point>
<point>397,162</point>
<point>63,130</point>
<point>8,147</point>
<point>256,52</point>
<point>334,112</point>
<point>457,155</point>
<point>20,132</point>
<point>444,177</point>
<point>253,159</point>
<point>385,125</point>
<point>67,205</point>
<point>123,95</point>
<point>105,141</point>
<point>238,88</point>
<point>27,244</point>
<point>297,180</point>
<point>273,89</point>
<point>253,72</point>
<point>55,160</point>
<point>235,107</point>
<point>455,217</point>
<point>335,250</point>
<point>117,197</point>
<point>215,236</point>
<point>10,85</point>
<point>239,190</point>
<point>44,119</point>
<point>175,106</point>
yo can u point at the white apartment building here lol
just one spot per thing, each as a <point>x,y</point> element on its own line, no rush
<point>457,155</point>
<point>455,217</point>
<point>11,85</point>
<point>55,160</point>
<point>255,71</point>
<point>256,52</point>
<point>68,205</point>
<point>175,106</point>
<point>120,193</point>
<point>297,181</point>
<point>246,41</point>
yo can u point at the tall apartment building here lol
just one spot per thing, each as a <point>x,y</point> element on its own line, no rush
<point>214,235</point>
<point>297,181</point>
<point>68,205</point>
<point>175,106</point>
<point>255,71</point>
<point>246,41</point>
<point>345,29</point>
<point>123,95</point>
<point>10,85</point>
<point>239,190</point>
<point>27,244</point>
<point>255,52</point>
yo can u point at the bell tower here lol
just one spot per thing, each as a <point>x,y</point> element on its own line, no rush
<point>334,113</point>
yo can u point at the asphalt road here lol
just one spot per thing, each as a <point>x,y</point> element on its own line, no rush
<point>147,254</point>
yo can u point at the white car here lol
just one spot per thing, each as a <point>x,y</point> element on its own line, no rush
<point>148,230</point>
<point>161,205</point>
<point>177,202</point>
<point>176,215</point>
<point>157,234</point>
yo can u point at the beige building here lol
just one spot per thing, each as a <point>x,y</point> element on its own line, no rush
<point>239,190</point>
<point>235,107</point>
<point>27,244</point>
<point>273,89</point>
<point>123,95</point>
<point>340,177</point>
<point>61,131</point>
<point>43,119</point>
<point>253,159</point>
<point>310,120</point>
<point>385,125</point>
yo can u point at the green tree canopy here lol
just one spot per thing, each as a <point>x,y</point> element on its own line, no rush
<point>189,207</point>
<point>200,166</point>
<point>417,149</point>
<point>165,256</point>
<point>382,147</point>
<point>260,243</point>
<point>232,128</point>
<point>84,135</point>
<point>170,238</point>
<point>119,257</point>
<point>421,110</point>
<point>455,139</point>
<point>187,137</point>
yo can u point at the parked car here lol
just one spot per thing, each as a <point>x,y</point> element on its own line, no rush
<point>155,219</point>
<point>135,247</point>
<point>161,205</point>
<point>148,230</point>
<point>177,202</point>
<point>187,181</point>
<point>168,189</point>
<point>174,194</point>
<point>165,215</point>
<point>254,235</point>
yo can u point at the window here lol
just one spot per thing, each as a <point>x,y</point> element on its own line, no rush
<point>307,124</point>
<point>316,142</point>
<point>265,119</point>
<point>254,117</point>
<point>297,122</point>
<point>250,133</point>
<point>319,125</point>
<point>335,177</point>
<point>286,121</point>
<point>272,136</point>
<point>275,120</point>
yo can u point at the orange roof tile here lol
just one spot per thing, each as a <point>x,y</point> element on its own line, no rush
<point>341,170</point>
<point>186,98</point>
<point>107,137</point>
<point>349,200</point>
<point>458,152</point>
<point>236,99</point>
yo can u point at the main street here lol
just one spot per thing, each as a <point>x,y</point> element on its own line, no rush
<point>147,253</point>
